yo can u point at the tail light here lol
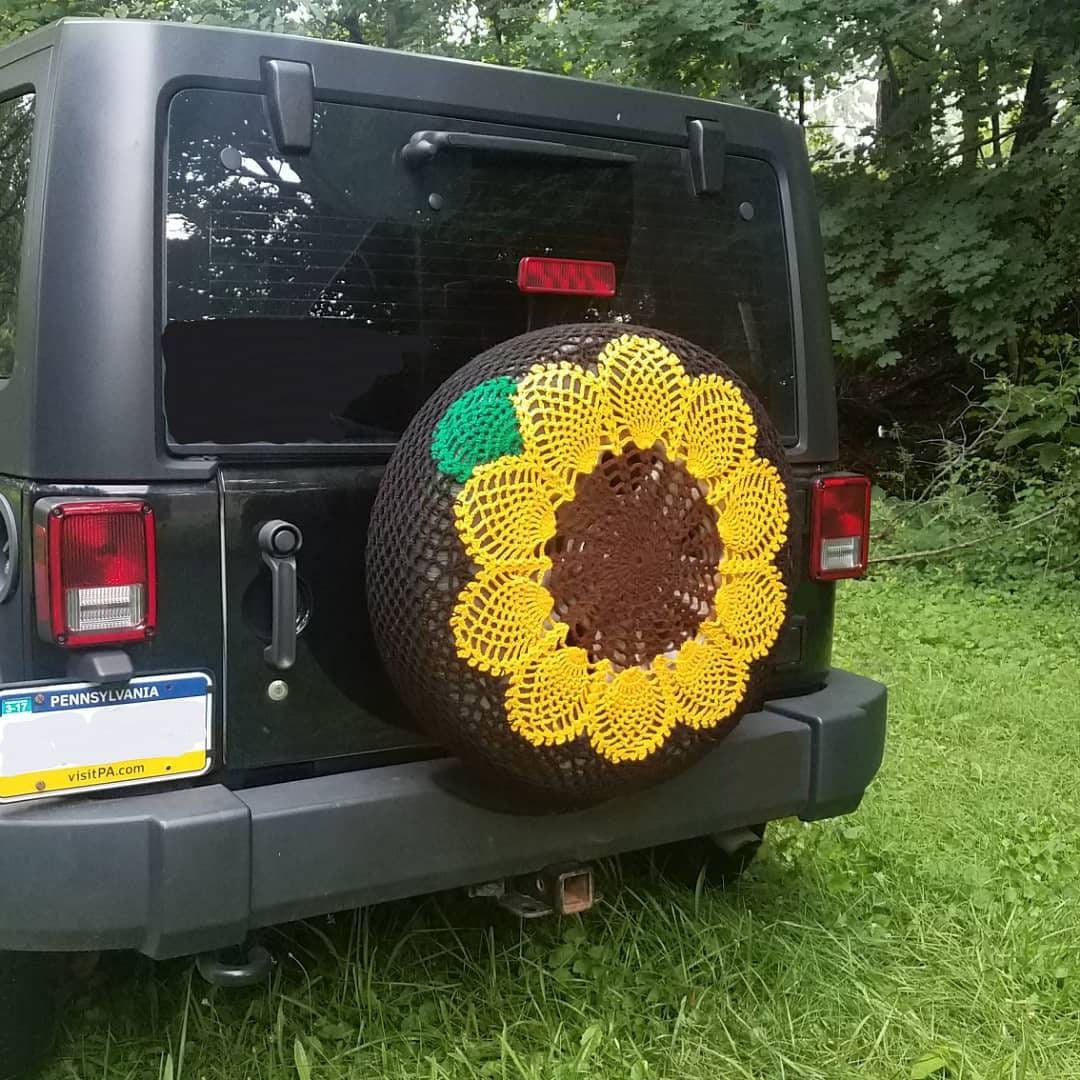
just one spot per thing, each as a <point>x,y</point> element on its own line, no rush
<point>839,527</point>
<point>568,277</point>
<point>95,571</point>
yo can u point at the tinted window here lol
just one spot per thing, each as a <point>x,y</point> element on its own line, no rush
<point>16,127</point>
<point>323,298</point>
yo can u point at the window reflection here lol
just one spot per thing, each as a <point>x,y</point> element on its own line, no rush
<point>16,128</point>
<point>323,298</point>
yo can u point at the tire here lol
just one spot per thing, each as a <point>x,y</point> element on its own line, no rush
<point>576,592</point>
<point>26,1014</point>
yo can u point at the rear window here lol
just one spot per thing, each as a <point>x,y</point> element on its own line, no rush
<point>322,298</point>
<point>16,129</point>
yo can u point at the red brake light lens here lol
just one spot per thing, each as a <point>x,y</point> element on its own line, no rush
<point>95,572</point>
<point>567,277</point>
<point>839,527</point>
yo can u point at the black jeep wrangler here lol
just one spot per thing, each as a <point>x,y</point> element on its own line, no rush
<point>411,472</point>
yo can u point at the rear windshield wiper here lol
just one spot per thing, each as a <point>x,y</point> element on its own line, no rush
<point>424,146</point>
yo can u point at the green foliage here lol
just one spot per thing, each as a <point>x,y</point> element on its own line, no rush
<point>424,25</point>
<point>19,17</point>
<point>1040,417</point>
<point>1004,503</point>
<point>303,1064</point>
<point>966,532</point>
<point>963,261</point>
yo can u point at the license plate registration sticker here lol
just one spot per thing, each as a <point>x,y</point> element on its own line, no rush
<point>81,737</point>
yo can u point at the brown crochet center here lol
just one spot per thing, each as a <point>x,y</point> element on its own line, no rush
<point>635,558</point>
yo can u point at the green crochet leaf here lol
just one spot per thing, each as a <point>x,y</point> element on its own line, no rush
<point>480,426</point>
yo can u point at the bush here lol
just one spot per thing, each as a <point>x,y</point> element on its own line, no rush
<point>1004,503</point>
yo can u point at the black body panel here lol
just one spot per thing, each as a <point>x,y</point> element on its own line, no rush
<point>337,691</point>
<point>189,587</point>
<point>15,613</point>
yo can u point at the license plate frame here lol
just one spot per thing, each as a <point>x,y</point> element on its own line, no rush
<point>69,738</point>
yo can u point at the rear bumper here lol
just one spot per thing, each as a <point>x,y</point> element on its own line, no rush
<point>181,871</point>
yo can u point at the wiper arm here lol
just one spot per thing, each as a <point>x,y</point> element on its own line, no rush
<point>424,146</point>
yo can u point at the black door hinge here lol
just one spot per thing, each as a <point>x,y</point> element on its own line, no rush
<point>708,148</point>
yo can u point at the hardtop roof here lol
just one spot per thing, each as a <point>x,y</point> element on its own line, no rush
<point>241,44</point>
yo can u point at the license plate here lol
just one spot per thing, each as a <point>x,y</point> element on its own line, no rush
<point>82,737</point>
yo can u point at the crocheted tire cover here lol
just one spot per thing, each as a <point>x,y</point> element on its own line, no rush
<point>578,559</point>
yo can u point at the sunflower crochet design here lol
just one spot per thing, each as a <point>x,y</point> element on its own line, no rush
<point>624,534</point>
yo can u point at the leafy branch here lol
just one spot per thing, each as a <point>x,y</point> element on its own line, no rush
<point>950,548</point>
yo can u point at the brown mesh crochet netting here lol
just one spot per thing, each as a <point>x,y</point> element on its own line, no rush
<point>633,572</point>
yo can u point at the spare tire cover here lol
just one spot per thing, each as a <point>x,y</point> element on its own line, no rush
<point>578,556</point>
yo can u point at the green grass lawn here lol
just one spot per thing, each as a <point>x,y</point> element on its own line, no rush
<point>933,933</point>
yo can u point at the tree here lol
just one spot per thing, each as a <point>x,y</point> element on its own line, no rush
<point>18,17</point>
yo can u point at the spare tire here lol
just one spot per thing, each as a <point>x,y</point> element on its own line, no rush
<point>577,561</point>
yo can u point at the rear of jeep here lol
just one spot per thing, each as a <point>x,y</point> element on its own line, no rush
<point>235,268</point>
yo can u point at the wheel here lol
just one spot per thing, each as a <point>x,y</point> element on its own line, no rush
<point>578,561</point>
<point>26,1013</point>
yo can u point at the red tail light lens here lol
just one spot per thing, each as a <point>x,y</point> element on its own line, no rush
<point>95,571</point>
<point>568,277</point>
<point>839,527</point>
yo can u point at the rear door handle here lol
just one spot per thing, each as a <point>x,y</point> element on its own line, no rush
<point>279,541</point>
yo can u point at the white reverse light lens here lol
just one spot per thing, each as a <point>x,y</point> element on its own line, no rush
<point>112,607</point>
<point>843,553</point>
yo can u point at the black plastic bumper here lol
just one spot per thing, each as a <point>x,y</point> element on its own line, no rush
<point>181,871</point>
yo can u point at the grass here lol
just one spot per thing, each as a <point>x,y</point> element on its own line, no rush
<point>932,934</point>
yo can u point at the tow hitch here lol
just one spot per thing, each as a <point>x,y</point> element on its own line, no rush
<point>566,889</point>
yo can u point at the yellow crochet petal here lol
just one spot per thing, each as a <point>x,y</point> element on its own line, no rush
<point>564,419</point>
<point>705,684</point>
<point>505,513</point>
<point>752,511</point>
<point>750,606</point>
<point>502,615</point>
<point>632,717</point>
<point>718,432</point>
<point>551,697</point>
<point>644,383</point>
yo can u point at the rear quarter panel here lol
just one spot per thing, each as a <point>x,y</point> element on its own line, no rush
<point>189,633</point>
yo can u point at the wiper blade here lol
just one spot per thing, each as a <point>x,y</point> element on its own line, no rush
<point>425,146</point>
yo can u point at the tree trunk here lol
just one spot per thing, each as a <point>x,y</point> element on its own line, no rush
<point>350,23</point>
<point>888,102</point>
<point>971,115</point>
<point>1037,112</point>
<point>392,30</point>
<point>993,98</point>
<point>971,110</point>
